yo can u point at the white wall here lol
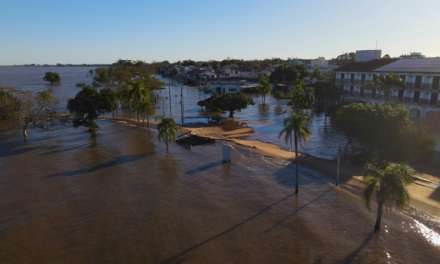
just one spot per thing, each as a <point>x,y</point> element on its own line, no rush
<point>368,55</point>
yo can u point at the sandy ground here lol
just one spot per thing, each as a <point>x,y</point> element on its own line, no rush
<point>425,192</point>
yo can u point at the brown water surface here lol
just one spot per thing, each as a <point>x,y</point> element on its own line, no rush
<point>116,196</point>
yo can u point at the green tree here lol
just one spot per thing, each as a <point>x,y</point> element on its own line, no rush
<point>302,96</point>
<point>91,72</point>
<point>167,130</point>
<point>215,65</point>
<point>416,141</point>
<point>278,95</point>
<point>387,82</point>
<point>283,73</point>
<point>28,110</point>
<point>232,102</point>
<point>52,77</point>
<point>88,104</point>
<point>390,186</point>
<point>264,88</point>
<point>45,97</point>
<point>296,129</point>
<point>376,126</point>
<point>206,102</point>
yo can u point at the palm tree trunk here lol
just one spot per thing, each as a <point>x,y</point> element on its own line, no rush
<point>297,162</point>
<point>24,133</point>
<point>166,141</point>
<point>138,118</point>
<point>379,214</point>
<point>143,121</point>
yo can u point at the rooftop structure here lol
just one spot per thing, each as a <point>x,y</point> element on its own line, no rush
<point>365,66</point>
<point>367,55</point>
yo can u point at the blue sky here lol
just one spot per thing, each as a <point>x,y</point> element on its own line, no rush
<point>96,31</point>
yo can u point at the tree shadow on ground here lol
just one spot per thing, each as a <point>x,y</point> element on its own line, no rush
<point>75,148</point>
<point>358,250</point>
<point>287,175</point>
<point>184,252</point>
<point>111,163</point>
<point>299,209</point>
<point>204,167</point>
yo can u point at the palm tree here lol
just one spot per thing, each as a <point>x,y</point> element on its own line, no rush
<point>167,129</point>
<point>295,128</point>
<point>308,97</point>
<point>126,96</point>
<point>264,88</point>
<point>390,186</point>
<point>146,108</point>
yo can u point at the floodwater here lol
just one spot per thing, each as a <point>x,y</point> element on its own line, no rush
<point>323,144</point>
<point>68,196</point>
<point>117,196</point>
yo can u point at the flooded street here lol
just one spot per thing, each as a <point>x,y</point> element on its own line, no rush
<point>117,196</point>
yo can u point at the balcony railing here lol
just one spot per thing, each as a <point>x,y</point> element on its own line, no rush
<point>357,81</point>
<point>420,86</point>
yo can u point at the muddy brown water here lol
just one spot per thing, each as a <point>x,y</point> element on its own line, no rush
<point>116,196</point>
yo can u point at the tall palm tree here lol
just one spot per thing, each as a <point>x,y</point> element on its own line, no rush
<point>167,130</point>
<point>390,186</point>
<point>264,88</point>
<point>295,128</point>
<point>146,108</point>
<point>139,90</point>
<point>126,96</point>
<point>308,97</point>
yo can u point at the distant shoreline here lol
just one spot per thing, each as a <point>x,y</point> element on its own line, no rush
<point>36,66</point>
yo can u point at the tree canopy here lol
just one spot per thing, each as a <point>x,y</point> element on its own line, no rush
<point>288,73</point>
<point>390,186</point>
<point>264,88</point>
<point>385,129</point>
<point>89,103</point>
<point>374,125</point>
<point>52,77</point>
<point>232,102</point>
<point>29,110</point>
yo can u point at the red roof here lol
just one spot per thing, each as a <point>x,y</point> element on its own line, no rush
<point>365,66</point>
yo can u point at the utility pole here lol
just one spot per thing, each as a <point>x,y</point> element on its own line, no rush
<point>339,162</point>
<point>181,102</point>
<point>169,91</point>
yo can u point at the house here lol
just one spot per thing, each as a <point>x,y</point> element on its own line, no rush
<point>264,72</point>
<point>421,76</point>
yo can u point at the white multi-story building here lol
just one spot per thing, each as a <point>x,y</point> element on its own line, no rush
<point>420,94</point>
<point>319,62</point>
